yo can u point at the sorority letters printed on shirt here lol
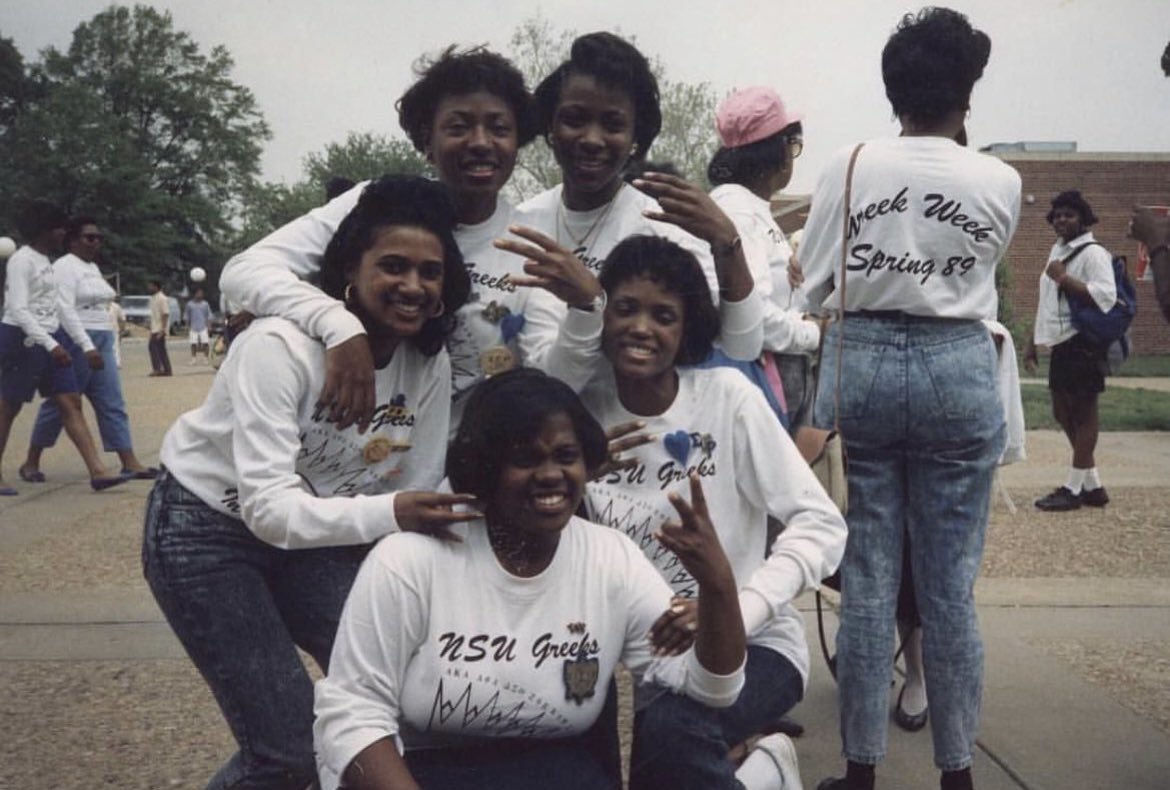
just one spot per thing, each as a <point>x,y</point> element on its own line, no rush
<point>580,676</point>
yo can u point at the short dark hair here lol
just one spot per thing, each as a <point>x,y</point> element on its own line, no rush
<point>455,73</point>
<point>410,201</point>
<point>931,63</point>
<point>748,163</point>
<point>74,225</point>
<point>338,185</point>
<point>677,271</point>
<point>37,218</point>
<point>505,414</point>
<point>616,64</point>
<point>1072,198</point>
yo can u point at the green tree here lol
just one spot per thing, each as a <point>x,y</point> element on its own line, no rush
<point>687,139</point>
<point>361,156</point>
<point>135,124</point>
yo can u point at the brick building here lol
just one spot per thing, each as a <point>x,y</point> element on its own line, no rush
<point>1112,183</point>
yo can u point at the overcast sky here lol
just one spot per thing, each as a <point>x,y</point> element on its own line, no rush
<point>1071,70</point>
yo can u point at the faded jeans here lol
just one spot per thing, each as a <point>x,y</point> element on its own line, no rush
<point>104,390</point>
<point>923,429</point>
<point>240,607</point>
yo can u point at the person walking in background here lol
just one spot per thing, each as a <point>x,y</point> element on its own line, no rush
<point>1080,266</point>
<point>160,321</point>
<point>918,406</point>
<point>118,321</point>
<point>197,315</point>
<point>86,295</point>
<point>38,340</point>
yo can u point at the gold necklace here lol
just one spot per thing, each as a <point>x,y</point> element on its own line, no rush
<point>563,219</point>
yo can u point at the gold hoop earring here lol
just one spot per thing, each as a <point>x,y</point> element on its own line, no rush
<point>440,308</point>
<point>348,293</point>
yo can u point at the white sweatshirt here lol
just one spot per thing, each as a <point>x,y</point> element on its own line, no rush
<point>929,221</point>
<point>257,450</point>
<point>82,286</point>
<point>720,426</point>
<point>600,230</point>
<point>1094,267</point>
<point>33,302</point>
<point>768,254</point>
<point>439,644</point>
<point>271,278</point>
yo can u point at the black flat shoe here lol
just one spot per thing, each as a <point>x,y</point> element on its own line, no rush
<point>1059,500</point>
<point>149,473</point>
<point>910,722</point>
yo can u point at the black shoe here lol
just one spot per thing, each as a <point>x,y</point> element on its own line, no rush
<point>910,722</point>
<point>1060,499</point>
<point>1095,497</point>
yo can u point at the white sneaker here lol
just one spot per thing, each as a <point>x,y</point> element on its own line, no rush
<point>780,748</point>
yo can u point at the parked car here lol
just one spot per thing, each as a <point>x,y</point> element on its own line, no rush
<point>136,308</point>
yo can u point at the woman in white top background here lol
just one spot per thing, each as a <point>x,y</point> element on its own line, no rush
<point>919,409</point>
<point>265,509</point>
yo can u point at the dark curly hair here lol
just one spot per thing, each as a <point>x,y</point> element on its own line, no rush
<point>74,225</point>
<point>677,271</point>
<point>931,63</point>
<point>455,73</point>
<point>401,200</point>
<point>1072,198</point>
<point>616,64</point>
<point>748,163</point>
<point>37,218</point>
<point>503,416</point>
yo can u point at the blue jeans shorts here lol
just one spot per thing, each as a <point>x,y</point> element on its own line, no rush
<point>26,369</point>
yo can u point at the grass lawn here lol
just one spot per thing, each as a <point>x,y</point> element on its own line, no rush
<point>1158,365</point>
<point>1121,409</point>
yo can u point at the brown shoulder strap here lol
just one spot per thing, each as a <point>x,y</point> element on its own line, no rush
<point>841,283</point>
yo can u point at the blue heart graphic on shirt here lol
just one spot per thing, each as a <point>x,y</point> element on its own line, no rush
<point>510,326</point>
<point>678,444</point>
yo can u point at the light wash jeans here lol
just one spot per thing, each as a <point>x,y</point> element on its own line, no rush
<point>104,390</point>
<point>923,429</point>
<point>241,607</point>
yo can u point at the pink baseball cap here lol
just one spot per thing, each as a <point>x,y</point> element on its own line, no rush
<point>751,114</point>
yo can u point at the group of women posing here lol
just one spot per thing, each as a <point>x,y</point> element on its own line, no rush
<point>475,645</point>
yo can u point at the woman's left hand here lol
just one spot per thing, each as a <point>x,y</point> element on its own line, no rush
<point>674,632</point>
<point>553,268</point>
<point>686,205</point>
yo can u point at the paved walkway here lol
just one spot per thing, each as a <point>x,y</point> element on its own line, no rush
<point>1044,724</point>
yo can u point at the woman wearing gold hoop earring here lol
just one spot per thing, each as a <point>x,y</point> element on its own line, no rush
<point>264,510</point>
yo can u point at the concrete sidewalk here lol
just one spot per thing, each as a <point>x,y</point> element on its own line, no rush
<point>89,665</point>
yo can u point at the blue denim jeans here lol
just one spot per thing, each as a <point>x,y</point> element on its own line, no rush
<point>923,429</point>
<point>104,390</point>
<point>240,607</point>
<point>680,743</point>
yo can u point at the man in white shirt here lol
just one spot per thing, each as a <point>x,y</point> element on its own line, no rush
<point>160,322</point>
<point>1078,266</point>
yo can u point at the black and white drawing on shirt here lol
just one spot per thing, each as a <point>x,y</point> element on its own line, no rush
<point>485,340</point>
<point>662,466</point>
<point>482,692</point>
<point>344,463</point>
